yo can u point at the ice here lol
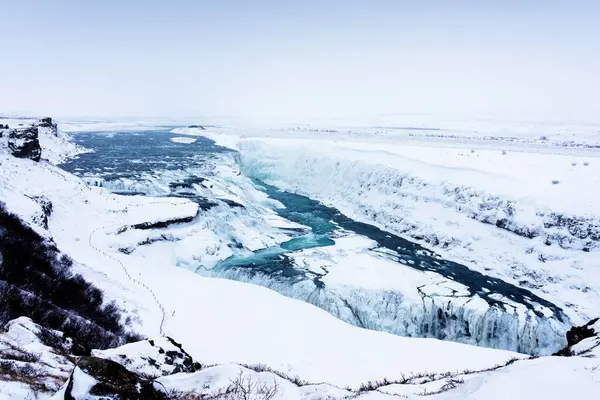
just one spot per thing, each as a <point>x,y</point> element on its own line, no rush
<point>243,239</point>
<point>185,140</point>
<point>439,193</point>
<point>222,322</point>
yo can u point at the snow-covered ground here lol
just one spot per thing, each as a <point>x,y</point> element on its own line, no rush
<point>467,204</point>
<point>351,277</point>
<point>220,321</point>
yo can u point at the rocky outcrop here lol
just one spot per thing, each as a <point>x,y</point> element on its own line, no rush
<point>107,379</point>
<point>46,207</point>
<point>197,127</point>
<point>163,224</point>
<point>48,126</point>
<point>152,358</point>
<point>578,334</point>
<point>24,143</point>
<point>34,357</point>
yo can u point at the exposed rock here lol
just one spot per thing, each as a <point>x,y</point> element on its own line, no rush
<point>5,126</point>
<point>152,358</point>
<point>163,224</point>
<point>197,127</point>
<point>24,143</point>
<point>46,207</point>
<point>577,334</point>
<point>49,126</point>
<point>187,182</point>
<point>232,204</point>
<point>107,379</point>
<point>34,357</point>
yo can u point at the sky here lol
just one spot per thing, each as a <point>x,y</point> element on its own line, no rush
<point>300,59</point>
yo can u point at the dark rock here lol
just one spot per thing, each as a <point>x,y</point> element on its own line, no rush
<point>575,335</point>
<point>46,206</point>
<point>231,203</point>
<point>47,123</point>
<point>114,381</point>
<point>24,143</point>
<point>197,127</point>
<point>187,183</point>
<point>151,358</point>
<point>162,224</point>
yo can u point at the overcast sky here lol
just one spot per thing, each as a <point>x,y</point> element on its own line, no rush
<point>300,58</point>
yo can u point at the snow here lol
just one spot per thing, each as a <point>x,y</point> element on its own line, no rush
<point>21,336</point>
<point>184,140</point>
<point>547,378</point>
<point>450,198</point>
<point>56,147</point>
<point>224,322</point>
<point>83,383</point>
<point>244,323</point>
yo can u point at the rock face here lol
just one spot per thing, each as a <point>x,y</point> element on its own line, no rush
<point>48,126</point>
<point>107,379</point>
<point>24,143</point>
<point>45,210</point>
<point>577,334</point>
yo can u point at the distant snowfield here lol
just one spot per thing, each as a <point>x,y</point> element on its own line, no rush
<point>450,196</point>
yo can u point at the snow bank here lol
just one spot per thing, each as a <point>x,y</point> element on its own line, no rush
<point>354,284</point>
<point>183,140</point>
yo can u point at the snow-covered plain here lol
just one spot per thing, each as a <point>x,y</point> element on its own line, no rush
<point>222,322</point>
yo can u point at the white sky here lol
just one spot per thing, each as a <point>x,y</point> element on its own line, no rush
<point>300,59</point>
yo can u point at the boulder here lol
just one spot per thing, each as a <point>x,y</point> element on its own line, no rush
<point>99,378</point>
<point>24,143</point>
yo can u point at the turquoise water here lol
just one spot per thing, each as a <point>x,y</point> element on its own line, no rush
<point>129,154</point>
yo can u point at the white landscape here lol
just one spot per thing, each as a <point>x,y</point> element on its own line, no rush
<point>238,329</point>
<point>310,200</point>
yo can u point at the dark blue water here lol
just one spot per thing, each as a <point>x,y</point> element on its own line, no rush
<point>414,255</point>
<point>127,154</point>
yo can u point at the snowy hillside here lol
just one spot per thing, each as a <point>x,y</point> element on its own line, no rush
<point>139,251</point>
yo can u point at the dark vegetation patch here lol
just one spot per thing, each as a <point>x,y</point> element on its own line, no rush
<point>36,281</point>
<point>35,378</point>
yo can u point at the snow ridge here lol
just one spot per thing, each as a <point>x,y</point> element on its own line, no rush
<point>381,193</point>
